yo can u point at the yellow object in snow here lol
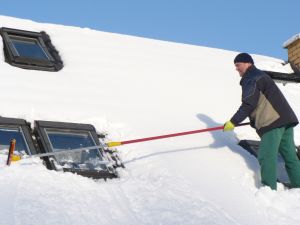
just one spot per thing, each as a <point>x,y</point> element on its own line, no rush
<point>113,144</point>
<point>15,158</point>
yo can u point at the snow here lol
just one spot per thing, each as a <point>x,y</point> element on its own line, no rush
<point>275,67</point>
<point>291,40</point>
<point>132,87</point>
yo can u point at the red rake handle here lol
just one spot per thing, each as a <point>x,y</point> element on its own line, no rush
<point>111,144</point>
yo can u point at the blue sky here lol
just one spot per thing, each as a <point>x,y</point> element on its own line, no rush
<point>254,26</point>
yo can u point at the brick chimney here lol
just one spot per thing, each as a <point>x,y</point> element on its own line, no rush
<point>293,47</point>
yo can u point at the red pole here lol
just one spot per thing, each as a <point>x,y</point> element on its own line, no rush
<point>111,144</point>
<point>11,151</point>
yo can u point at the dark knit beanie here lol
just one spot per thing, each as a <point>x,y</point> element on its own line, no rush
<point>244,58</point>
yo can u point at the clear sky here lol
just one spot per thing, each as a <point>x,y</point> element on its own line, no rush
<point>254,26</point>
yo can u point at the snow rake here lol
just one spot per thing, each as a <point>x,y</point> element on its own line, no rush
<point>114,144</point>
<point>118,143</point>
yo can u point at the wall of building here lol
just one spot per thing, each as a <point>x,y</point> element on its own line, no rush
<point>294,53</point>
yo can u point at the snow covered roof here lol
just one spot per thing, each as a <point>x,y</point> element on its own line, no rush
<point>291,40</point>
<point>132,87</point>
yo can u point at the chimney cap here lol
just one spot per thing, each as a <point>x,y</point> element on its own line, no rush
<point>291,40</point>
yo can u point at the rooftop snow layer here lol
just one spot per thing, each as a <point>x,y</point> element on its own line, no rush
<point>291,40</point>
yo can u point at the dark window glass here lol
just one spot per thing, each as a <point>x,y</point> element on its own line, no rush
<point>85,160</point>
<point>7,134</point>
<point>28,47</point>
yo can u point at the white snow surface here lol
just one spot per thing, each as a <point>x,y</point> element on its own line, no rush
<point>131,87</point>
<point>291,40</point>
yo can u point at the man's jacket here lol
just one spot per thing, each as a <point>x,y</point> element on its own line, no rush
<point>263,103</point>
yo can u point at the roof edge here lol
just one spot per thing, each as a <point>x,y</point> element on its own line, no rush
<point>291,40</point>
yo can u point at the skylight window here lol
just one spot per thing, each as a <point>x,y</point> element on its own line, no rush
<point>9,133</point>
<point>30,50</point>
<point>90,159</point>
<point>28,47</point>
<point>61,139</point>
<point>16,129</point>
<point>71,147</point>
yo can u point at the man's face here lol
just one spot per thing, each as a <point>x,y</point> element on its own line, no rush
<point>242,67</point>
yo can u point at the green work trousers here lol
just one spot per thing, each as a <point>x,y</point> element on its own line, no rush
<point>278,140</point>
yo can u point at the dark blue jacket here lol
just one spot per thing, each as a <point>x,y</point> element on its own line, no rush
<point>263,103</point>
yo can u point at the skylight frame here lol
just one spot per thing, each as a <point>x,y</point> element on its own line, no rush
<point>45,146</point>
<point>53,61</point>
<point>25,130</point>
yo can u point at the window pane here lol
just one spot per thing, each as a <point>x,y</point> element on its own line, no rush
<point>6,134</point>
<point>29,48</point>
<point>86,160</point>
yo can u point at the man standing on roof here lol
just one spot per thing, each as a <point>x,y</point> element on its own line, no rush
<point>272,117</point>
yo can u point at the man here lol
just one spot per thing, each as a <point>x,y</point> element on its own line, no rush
<point>271,116</point>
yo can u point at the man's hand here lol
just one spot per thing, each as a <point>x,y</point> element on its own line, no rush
<point>228,126</point>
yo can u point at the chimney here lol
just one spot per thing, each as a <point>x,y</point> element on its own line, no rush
<point>293,47</point>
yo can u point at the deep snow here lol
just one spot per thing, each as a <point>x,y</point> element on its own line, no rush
<point>134,87</point>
